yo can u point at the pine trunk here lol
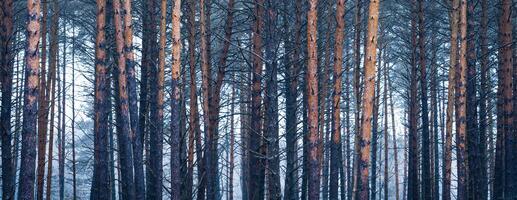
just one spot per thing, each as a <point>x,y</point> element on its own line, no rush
<point>100,184</point>
<point>124,141</point>
<point>447,155</point>
<point>194,127</point>
<point>461,105</point>
<point>6,76</point>
<point>271,103</point>
<point>28,159</point>
<point>175,107</point>
<point>335,152</point>
<point>504,105</point>
<point>256,148</point>
<point>368,99</point>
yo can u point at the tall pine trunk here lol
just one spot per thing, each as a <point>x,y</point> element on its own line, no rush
<point>335,148</point>
<point>314,139</point>
<point>124,141</point>
<point>461,105</point>
<point>483,102</point>
<point>175,107</point>
<point>194,128</point>
<point>256,149</point>
<point>271,103</point>
<point>28,162</point>
<point>413,191</point>
<point>101,184</point>
<point>43,106</point>
<point>135,134</point>
<point>6,75</point>
<point>447,154</point>
<point>505,108</point>
<point>291,74</point>
<point>368,99</point>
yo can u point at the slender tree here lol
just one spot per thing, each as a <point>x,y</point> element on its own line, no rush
<point>124,141</point>
<point>135,135</point>
<point>368,98</point>
<point>413,178</point>
<point>483,101</point>
<point>101,184</point>
<point>6,75</point>
<point>426,167</point>
<point>194,127</point>
<point>43,106</point>
<point>447,154</point>
<point>256,161</point>
<point>175,134</point>
<point>312,91</point>
<point>504,105</point>
<point>461,106</point>
<point>291,92</point>
<point>336,156</point>
<point>28,159</point>
<point>271,102</point>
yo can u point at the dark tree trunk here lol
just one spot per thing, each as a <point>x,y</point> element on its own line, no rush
<point>413,191</point>
<point>155,125</point>
<point>124,141</point>
<point>461,82</point>
<point>135,135</point>
<point>28,162</point>
<point>375,134</point>
<point>6,76</point>
<point>483,105</point>
<point>256,148</point>
<point>447,154</point>
<point>271,103</point>
<point>194,127</point>
<point>505,138</point>
<point>148,63</point>
<point>314,140</point>
<point>357,93</point>
<point>291,73</point>
<point>43,105</point>
<point>368,99</point>
<point>335,152</point>
<point>175,107</point>
<point>62,139</point>
<point>473,142</point>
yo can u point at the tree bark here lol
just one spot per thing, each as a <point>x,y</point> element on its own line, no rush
<point>271,103</point>
<point>368,99</point>
<point>357,93</point>
<point>135,134</point>
<point>336,155</point>
<point>194,127</point>
<point>256,149</point>
<point>291,94</point>
<point>43,105</point>
<point>28,159</point>
<point>125,151</point>
<point>175,118</point>
<point>413,189</point>
<point>447,156</point>
<point>100,184</point>
<point>505,108</point>
<point>314,139</point>
<point>426,169</point>
<point>461,105</point>
<point>62,130</point>
<point>205,89</point>
<point>395,146</point>
<point>6,75</point>
<point>483,105</point>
